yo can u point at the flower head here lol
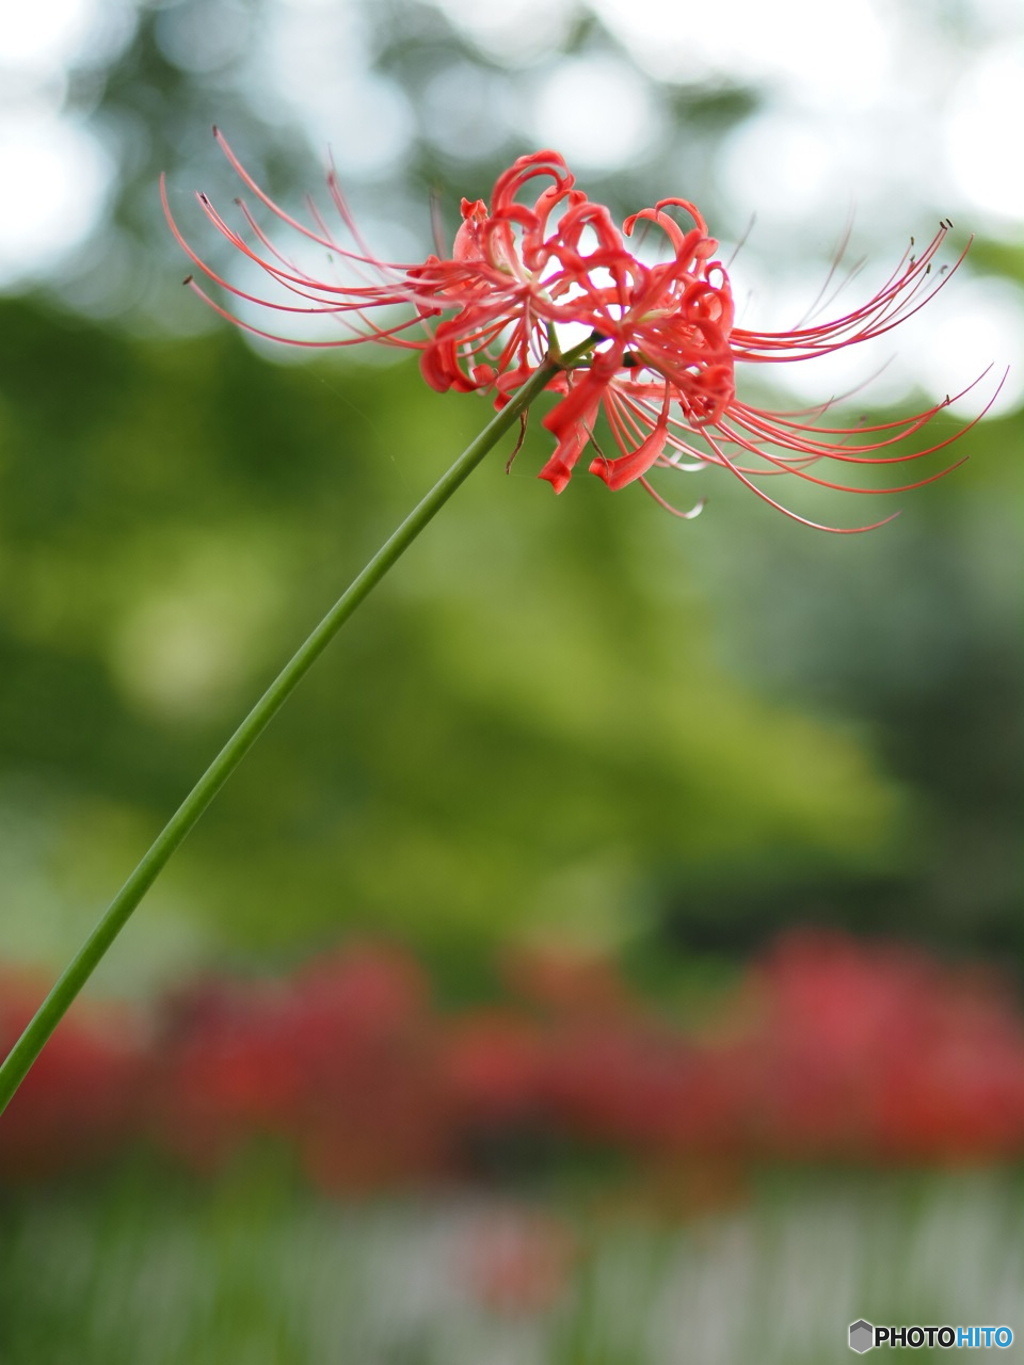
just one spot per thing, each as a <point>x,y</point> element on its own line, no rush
<point>660,375</point>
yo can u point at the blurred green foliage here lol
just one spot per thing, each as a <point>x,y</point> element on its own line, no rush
<point>528,719</point>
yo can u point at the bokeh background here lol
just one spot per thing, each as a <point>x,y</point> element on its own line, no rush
<point>583,786</point>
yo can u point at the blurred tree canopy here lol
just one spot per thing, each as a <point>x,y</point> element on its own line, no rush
<point>191,63</point>
<point>570,715</point>
<point>529,718</point>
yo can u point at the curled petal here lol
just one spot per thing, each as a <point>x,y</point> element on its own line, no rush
<point>635,463</point>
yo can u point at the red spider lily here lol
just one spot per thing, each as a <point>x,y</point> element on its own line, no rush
<point>667,388</point>
<point>507,281</point>
<point>665,347</point>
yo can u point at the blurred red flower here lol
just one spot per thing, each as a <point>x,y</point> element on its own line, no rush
<point>83,1102</point>
<point>337,1060</point>
<point>829,1049</point>
<point>878,1052</point>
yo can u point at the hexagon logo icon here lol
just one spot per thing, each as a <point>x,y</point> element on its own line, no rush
<point>862,1336</point>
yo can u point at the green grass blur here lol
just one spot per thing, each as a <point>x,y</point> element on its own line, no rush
<point>254,1272</point>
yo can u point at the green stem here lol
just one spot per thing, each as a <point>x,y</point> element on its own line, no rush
<point>27,1048</point>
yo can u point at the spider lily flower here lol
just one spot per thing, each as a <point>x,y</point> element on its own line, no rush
<point>482,318</point>
<point>661,376</point>
<point>669,397</point>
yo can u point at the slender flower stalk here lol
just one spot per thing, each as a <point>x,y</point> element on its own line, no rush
<point>27,1048</point>
<point>656,366</point>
